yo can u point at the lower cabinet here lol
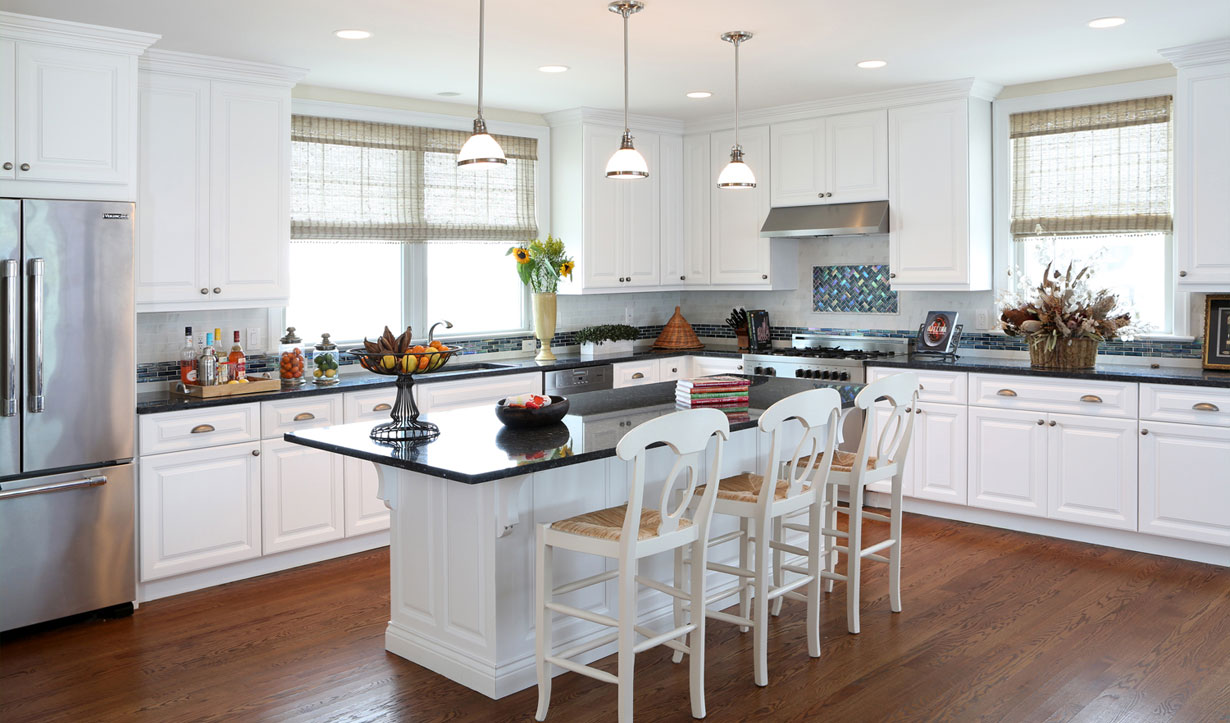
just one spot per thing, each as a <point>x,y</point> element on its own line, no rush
<point>1007,460</point>
<point>1185,481</point>
<point>365,511</point>
<point>1091,470</point>
<point>442,396</point>
<point>199,508</point>
<point>303,499</point>
<point>636,373</point>
<point>704,366</point>
<point>935,465</point>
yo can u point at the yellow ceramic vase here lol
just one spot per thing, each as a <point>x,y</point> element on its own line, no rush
<point>544,325</point>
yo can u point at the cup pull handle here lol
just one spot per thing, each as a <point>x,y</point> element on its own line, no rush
<point>1092,398</point>
<point>1006,393</point>
<point>382,407</point>
<point>202,428</point>
<point>1205,407</point>
<point>304,416</point>
<point>638,375</point>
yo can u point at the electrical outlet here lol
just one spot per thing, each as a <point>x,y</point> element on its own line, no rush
<point>528,345</point>
<point>628,315</point>
<point>982,320</point>
<point>256,339</point>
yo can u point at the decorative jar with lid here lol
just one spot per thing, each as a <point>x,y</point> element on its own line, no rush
<point>325,362</point>
<point>292,361</point>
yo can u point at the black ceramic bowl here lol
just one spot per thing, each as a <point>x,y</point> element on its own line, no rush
<point>521,418</point>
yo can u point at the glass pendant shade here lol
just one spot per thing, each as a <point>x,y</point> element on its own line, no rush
<point>736,174</point>
<point>481,151</point>
<point>627,162</point>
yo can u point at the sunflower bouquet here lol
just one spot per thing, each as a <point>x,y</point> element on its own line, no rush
<point>541,264</point>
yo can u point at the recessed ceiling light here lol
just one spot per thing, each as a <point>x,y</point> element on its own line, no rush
<point>699,94</point>
<point>1101,23</point>
<point>872,64</point>
<point>553,68</point>
<point>449,93</point>
<point>352,34</point>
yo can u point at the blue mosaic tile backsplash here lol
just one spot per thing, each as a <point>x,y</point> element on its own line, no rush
<point>852,289</point>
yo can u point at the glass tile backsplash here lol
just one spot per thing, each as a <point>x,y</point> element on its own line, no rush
<point>859,289</point>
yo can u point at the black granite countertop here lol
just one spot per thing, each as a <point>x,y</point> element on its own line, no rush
<point>155,402</point>
<point>474,447</point>
<point>1189,376</point>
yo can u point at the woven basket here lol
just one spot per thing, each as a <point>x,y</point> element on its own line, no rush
<point>1074,354</point>
<point>677,335</point>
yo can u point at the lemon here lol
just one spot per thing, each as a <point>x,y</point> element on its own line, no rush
<point>318,373</point>
<point>330,373</point>
<point>389,361</point>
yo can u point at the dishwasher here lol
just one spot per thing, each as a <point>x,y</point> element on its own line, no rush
<point>582,379</point>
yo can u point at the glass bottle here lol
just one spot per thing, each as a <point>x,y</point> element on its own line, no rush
<point>325,362</point>
<point>238,360</point>
<point>291,360</point>
<point>207,364</point>
<point>219,344</point>
<point>187,359</point>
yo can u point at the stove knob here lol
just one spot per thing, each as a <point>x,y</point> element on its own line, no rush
<point>824,374</point>
<point>813,374</point>
<point>758,370</point>
<point>771,372</point>
<point>798,373</point>
<point>845,376</point>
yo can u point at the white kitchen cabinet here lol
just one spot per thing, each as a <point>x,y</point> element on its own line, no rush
<point>939,195</point>
<point>1008,460</point>
<point>705,366</point>
<point>636,373</point>
<point>302,497</point>
<point>685,261</point>
<point>1184,491</point>
<point>939,452</point>
<point>199,508</point>
<point>215,183</point>
<point>442,396</point>
<point>1202,165</point>
<point>365,511</point>
<point>68,123</point>
<point>834,159</point>
<point>1091,475</point>
<point>674,368</point>
<point>882,412</point>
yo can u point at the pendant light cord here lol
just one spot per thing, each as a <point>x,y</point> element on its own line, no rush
<point>625,13</point>
<point>736,44</point>
<point>482,18</point>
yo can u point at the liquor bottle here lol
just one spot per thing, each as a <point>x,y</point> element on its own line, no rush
<point>187,358</point>
<point>238,360</point>
<point>219,344</point>
<point>207,364</point>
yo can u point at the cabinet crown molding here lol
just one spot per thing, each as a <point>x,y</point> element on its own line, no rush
<point>208,66</point>
<point>1187,56</point>
<point>63,32</point>
<point>647,123</point>
<point>928,93</point>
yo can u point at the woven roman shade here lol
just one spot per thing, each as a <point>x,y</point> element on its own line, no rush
<point>1103,168</point>
<point>381,182</point>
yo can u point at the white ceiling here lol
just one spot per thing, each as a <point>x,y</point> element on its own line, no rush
<point>802,50</point>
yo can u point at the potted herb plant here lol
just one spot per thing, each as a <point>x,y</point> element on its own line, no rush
<point>541,265</point>
<point>606,340</point>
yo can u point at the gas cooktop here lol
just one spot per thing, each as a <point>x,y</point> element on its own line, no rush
<point>819,356</point>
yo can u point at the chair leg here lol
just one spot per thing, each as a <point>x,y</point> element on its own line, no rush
<point>778,574</point>
<point>830,512</point>
<point>627,637</point>
<point>894,553</point>
<point>854,560</point>
<point>681,583</point>
<point>542,624</point>
<point>815,549</point>
<point>696,640</point>
<point>760,606</point>
<point>745,607</point>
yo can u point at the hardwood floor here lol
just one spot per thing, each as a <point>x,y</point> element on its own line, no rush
<point>997,625</point>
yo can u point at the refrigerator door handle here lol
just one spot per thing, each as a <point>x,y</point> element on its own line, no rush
<point>36,335</point>
<point>92,481</point>
<point>8,354</point>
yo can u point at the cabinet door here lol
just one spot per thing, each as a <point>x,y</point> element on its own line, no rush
<point>670,211</point>
<point>740,256</point>
<point>908,477</point>
<point>1007,460</point>
<point>928,193</point>
<point>939,452</point>
<point>697,193</point>
<point>705,366</point>
<point>199,509</point>
<point>640,246</point>
<point>74,111</point>
<point>800,173</point>
<point>172,259</point>
<point>249,226</point>
<point>442,396</point>
<point>302,496</point>
<point>604,214</point>
<point>1092,470</point>
<point>856,148</point>
<point>674,368</point>
<point>365,512</point>
<point>635,374</point>
<point>1202,178</point>
<point>8,99</point>
<point>1184,491</point>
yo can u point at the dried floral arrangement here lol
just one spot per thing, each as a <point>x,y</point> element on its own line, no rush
<point>1064,308</point>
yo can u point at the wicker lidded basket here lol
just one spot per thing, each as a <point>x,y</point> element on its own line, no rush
<point>677,335</point>
<point>1071,354</point>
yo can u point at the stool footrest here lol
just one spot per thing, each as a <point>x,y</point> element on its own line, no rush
<point>833,576</point>
<point>593,617</point>
<point>730,570</point>
<point>663,587</point>
<point>876,516</point>
<point>796,527</point>
<point>789,587</point>
<point>585,582</point>
<point>720,539</point>
<point>877,558</point>
<point>795,596</point>
<point>792,549</point>
<point>796,569</point>
<point>871,549</point>
<point>585,670</point>
<point>667,637</point>
<point>585,647</point>
<point>728,618</point>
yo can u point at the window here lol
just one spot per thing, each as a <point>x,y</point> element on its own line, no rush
<point>386,230</point>
<point>1092,185</point>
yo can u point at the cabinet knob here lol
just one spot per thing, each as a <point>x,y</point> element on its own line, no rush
<point>217,289</point>
<point>25,166</point>
<point>1182,274</point>
<point>740,367</point>
<point>1053,423</point>
<point>256,453</point>
<point>1041,422</point>
<point>674,369</point>
<point>8,165</point>
<point>1144,431</point>
<point>764,276</point>
<point>829,194</point>
<point>681,278</point>
<point>204,291</point>
<point>892,275</point>
<point>918,411</point>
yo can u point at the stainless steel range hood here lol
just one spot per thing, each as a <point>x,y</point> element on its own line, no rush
<point>837,219</point>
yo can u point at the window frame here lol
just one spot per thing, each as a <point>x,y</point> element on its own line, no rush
<point>1004,250</point>
<point>414,256</point>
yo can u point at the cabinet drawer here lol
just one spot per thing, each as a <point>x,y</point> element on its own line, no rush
<point>278,418</point>
<point>1075,396</point>
<point>631,374</point>
<point>197,428</point>
<point>944,387</point>
<point>1193,405</point>
<point>674,368</point>
<point>374,404</point>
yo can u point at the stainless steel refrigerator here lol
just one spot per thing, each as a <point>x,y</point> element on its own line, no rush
<point>67,392</point>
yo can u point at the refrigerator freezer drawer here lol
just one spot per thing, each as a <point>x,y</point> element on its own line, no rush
<point>66,544</point>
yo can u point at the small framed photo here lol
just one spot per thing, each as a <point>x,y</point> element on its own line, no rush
<point>939,334</point>
<point>1217,331</point>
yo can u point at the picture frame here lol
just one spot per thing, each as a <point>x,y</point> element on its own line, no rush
<point>1215,353</point>
<point>940,334</point>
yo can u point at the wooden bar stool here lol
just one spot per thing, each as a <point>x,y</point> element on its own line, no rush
<point>853,472</point>
<point>629,533</point>
<point>761,501</point>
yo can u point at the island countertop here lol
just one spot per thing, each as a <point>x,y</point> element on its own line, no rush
<point>474,447</point>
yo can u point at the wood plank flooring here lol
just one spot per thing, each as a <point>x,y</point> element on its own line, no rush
<point>997,626</point>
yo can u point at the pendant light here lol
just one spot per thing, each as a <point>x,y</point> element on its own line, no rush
<point>481,151</point>
<point>736,174</point>
<point>626,162</point>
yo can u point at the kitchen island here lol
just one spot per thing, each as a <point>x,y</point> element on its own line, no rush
<point>464,508</point>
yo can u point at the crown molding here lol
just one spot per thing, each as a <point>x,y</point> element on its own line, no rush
<point>207,66</point>
<point>1190,56</point>
<point>928,93</point>
<point>63,32</point>
<point>652,124</point>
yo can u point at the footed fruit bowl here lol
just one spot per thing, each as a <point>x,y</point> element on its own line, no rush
<point>415,359</point>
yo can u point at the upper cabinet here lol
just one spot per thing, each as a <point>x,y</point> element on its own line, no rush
<point>1202,165</point>
<point>834,159</point>
<point>939,195</point>
<point>214,188</point>
<point>68,109</point>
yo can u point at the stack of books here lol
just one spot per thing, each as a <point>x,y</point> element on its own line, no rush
<point>725,392</point>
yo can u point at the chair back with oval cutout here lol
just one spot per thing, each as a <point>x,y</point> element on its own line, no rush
<point>818,411</point>
<point>893,441</point>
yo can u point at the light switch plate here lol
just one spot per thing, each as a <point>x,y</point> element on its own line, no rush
<point>628,315</point>
<point>528,345</point>
<point>256,339</point>
<point>982,320</point>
